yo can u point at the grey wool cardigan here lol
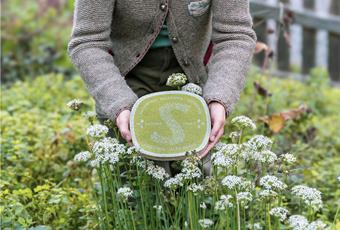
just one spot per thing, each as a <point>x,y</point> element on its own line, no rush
<point>109,37</point>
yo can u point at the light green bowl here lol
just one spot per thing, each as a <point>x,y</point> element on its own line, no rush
<point>166,125</point>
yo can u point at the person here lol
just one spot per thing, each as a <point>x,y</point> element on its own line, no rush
<point>124,49</point>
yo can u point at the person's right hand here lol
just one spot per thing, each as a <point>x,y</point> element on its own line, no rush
<point>123,124</point>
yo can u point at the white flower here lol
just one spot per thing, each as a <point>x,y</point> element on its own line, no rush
<point>243,122</point>
<point>90,114</point>
<point>176,80</point>
<point>338,178</point>
<point>317,225</point>
<point>205,223</point>
<point>108,150</point>
<point>230,149</point>
<point>221,160</point>
<point>192,88</point>
<point>257,148</point>
<point>174,182</point>
<point>267,194</point>
<point>288,158</point>
<point>279,212</point>
<point>83,156</point>
<point>219,145</point>
<point>203,205</point>
<point>158,208</point>
<point>156,171</point>
<point>247,185</point>
<point>75,104</point>
<point>232,182</point>
<point>234,135</point>
<point>259,143</point>
<point>132,150</point>
<point>265,156</point>
<point>298,222</point>
<point>124,193</point>
<point>97,130</point>
<point>272,183</point>
<point>95,163</point>
<point>190,169</point>
<point>244,197</point>
<point>195,188</point>
<point>150,168</point>
<point>224,203</point>
<point>310,196</point>
<point>256,226</point>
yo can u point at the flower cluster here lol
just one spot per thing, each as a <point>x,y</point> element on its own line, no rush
<point>107,150</point>
<point>243,122</point>
<point>124,193</point>
<point>265,156</point>
<point>195,188</point>
<point>83,156</point>
<point>224,202</point>
<point>221,160</point>
<point>259,143</point>
<point>310,196</point>
<point>174,182</point>
<point>279,212</point>
<point>244,197</point>
<point>150,168</point>
<point>226,155</point>
<point>97,130</point>
<point>75,104</point>
<point>190,169</point>
<point>192,88</point>
<point>288,158</point>
<point>272,183</point>
<point>232,182</point>
<point>298,222</point>
<point>206,223</point>
<point>176,80</point>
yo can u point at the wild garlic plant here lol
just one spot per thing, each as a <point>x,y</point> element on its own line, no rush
<point>248,187</point>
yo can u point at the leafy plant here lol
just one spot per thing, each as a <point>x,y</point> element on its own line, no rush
<point>34,39</point>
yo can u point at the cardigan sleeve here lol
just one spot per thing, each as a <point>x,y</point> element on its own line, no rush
<point>89,48</point>
<point>233,41</point>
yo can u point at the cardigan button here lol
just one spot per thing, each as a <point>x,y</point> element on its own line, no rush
<point>174,39</point>
<point>162,7</point>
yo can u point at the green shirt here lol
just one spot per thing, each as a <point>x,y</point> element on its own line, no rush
<point>162,40</point>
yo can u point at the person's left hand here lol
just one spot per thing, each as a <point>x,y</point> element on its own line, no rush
<point>217,114</point>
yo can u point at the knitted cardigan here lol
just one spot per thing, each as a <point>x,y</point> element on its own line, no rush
<point>110,37</point>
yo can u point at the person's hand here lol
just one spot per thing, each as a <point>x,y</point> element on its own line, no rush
<point>123,124</point>
<point>217,114</point>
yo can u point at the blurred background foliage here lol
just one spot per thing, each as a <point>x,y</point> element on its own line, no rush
<point>43,188</point>
<point>34,38</point>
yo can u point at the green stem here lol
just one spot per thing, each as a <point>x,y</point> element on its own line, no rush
<point>238,217</point>
<point>104,199</point>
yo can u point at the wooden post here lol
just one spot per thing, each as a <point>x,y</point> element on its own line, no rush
<point>296,38</point>
<point>283,50</point>
<point>321,55</point>
<point>309,43</point>
<point>261,33</point>
<point>334,47</point>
